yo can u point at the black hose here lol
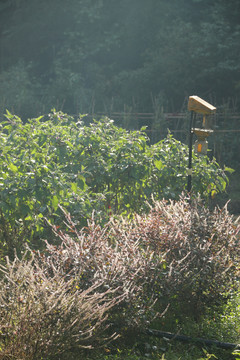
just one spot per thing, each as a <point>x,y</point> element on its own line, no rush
<point>167,335</point>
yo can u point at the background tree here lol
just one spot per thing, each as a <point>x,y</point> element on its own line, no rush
<point>84,55</point>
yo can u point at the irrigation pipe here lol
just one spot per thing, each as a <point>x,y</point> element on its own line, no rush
<point>167,335</point>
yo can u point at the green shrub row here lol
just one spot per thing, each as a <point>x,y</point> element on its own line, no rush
<point>96,168</point>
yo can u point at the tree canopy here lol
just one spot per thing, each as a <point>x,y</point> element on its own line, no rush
<point>83,55</point>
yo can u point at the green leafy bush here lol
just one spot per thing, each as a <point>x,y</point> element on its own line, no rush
<point>37,173</point>
<point>169,171</point>
<point>47,162</point>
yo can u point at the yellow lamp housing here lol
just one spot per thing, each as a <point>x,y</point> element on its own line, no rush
<point>198,105</point>
<point>200,147</point>
<point>201,144</point>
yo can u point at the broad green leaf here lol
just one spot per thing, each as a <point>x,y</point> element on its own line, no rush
<point>74,187</point>
<point>55,202</point>
<point>229,170</point>
<point>28,218</point>
<point>13,168</point>
<point>159,165</point>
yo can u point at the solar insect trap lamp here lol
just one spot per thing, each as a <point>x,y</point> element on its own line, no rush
<point>198,106</point>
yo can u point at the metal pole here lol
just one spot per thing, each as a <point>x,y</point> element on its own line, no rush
<point>167,335</point>
<point>189,172</point>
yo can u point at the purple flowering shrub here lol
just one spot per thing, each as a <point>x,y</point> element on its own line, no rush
<point>102,282</point>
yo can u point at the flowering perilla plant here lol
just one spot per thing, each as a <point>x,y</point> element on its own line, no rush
<point>108,255</point>
<point>102,281</point>
<point>45,314</point>
<point>79,294</point>
<point>201,249</point>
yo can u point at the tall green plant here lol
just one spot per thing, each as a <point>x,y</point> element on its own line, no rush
<point>36,174</point>
<point>169,170</point>
<point>100,168</point>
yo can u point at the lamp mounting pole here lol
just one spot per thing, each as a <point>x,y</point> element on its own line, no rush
<point>200,106</point>
<point>189,172</point>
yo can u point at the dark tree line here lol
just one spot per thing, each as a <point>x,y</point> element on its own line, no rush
<point>96,55</point>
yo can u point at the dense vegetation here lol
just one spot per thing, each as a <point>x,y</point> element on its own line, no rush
<point>115,280</point>
<point>116,255</point>
<point>98,168</point>
<point>99,239</point>
<point>83,56</point>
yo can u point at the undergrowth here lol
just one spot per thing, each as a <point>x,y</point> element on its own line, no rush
<point>101,287</point>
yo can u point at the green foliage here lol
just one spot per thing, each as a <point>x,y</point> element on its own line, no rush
<point>100,168</point>
<point>237,354</point>
<point>36,175</point>
<point>81,56</point>
<point>169,171</point>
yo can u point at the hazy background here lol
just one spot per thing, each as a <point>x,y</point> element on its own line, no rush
<point>84,56</point>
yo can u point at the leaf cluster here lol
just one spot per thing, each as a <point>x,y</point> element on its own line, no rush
<point>84,168</point>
